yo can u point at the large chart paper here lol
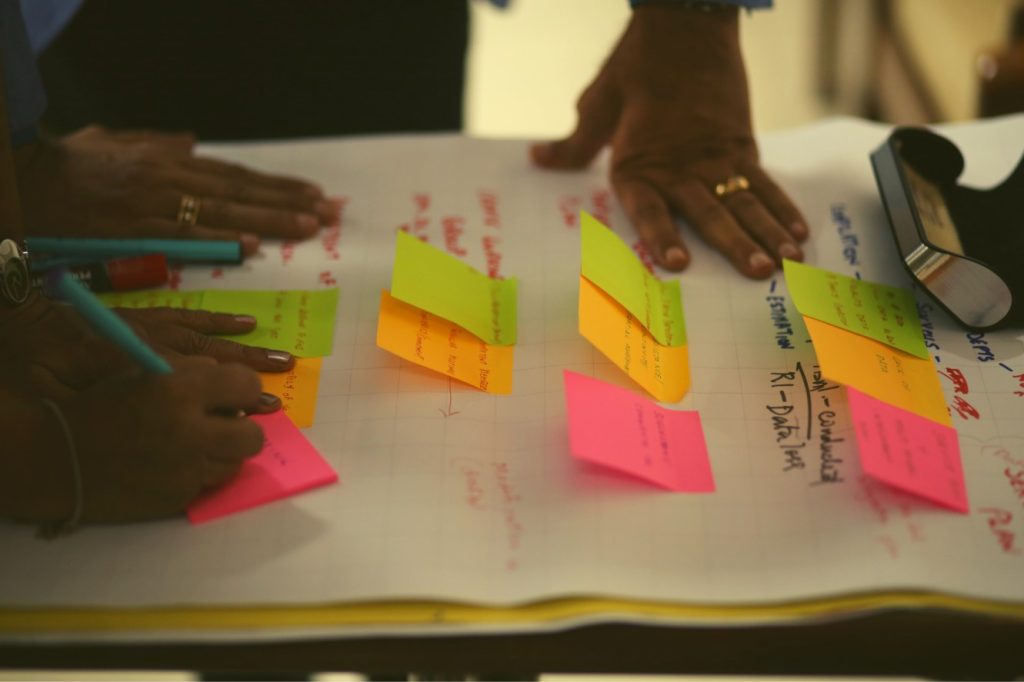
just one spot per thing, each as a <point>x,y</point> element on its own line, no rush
<point>450,493</point>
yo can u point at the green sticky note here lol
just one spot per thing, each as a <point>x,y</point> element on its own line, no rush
<point>298,321</point>
<point>610,264</point>
<point>439,283</point>
<point>877,311</point>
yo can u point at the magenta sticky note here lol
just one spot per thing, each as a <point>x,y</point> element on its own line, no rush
<point>287,465</point>
<point>616,428</point>
<point>908,451</point>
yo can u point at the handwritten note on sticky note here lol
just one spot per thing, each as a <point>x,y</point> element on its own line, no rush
<point>611,265</point>
<point>439,283</point>
<point>435,343</point>
<point>663,371</point>
<point>883,313</point>
<point>908,452</point>
<point>287,465</point>
<point>297,389</point>
<point>624,431</point>
<point>298,321</point>
<point>881,371</point>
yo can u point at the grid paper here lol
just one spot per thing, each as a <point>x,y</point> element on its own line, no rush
<point>448,493</point>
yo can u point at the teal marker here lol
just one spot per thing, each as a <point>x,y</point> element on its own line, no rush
<point>104,321</point>
<point>179,250</point>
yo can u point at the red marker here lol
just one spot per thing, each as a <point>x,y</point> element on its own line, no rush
<point>121,274</point>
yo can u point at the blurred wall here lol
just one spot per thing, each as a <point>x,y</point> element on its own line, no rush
<point>905,61</point>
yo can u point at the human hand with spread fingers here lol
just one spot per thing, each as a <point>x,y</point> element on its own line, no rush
<point>128,448</point>
<point>48,349</point>
<point>100,183</point>
<point>672,102</point>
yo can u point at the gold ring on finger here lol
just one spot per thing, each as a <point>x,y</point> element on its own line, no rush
<point>735,183</point>
<point>188,210</point>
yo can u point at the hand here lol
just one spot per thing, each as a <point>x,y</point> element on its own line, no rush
<point>98,183</point>
<point>672,101</point>
<point>147,445</point>
<point>49,349</point>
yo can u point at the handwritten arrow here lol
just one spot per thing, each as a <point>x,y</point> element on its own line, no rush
<point>449,412</point>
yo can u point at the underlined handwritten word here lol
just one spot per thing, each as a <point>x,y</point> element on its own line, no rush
<point>780,320</point>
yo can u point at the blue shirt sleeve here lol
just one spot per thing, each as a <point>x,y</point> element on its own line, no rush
<point>26,99</point>
<point>45,19</point>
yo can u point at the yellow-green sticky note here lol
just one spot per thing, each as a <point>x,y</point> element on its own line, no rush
<point>877,311</point>
<point>439,283</point>
<point>298,321</point>
<point>610,264</point>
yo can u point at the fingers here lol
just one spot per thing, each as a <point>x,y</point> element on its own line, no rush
<point>178,332</point>
<point>255,178</point>
<point>227,389</point>
<point>162,228</point>
<point>755,228</point>
<point>717,226</point>
<point>219,218</point>
<point>776,201</point>
<point>188,342</point>
<point>268,222</point>
<point>229,442</point>
<point>751,214</point>
<point>303,211</point>
<point>181,141</point>
<point>652,220</point>
<point>217,472</point>
<point>268,403</point>
<point>233,182</point>
<point>202,321</point>
<point>598,113</point>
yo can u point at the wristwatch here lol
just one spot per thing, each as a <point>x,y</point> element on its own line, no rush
<point>14,279</point>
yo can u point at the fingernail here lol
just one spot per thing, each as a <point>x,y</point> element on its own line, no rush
<point>279,356</point>
<point>790,251</point>
<point>245,319</point>
<point>760,261</point>
<point>798,229</point>
<point>675,257</point>
<point>308,221</point>
<point>313,191</point>
<point>269,400</point>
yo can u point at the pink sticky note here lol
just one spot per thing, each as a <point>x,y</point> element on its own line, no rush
<point>621,430</point>
<point>286,466</point>
<point>908,451</point>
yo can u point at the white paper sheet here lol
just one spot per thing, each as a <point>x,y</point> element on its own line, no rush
<point>482,502</point>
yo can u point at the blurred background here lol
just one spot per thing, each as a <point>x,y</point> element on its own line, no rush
<point>901,61</point>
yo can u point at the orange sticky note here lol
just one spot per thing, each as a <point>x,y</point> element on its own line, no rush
<point>435,343</point>
<point>881,371</point>
<point>297,389</point>
<point>908,452</point>
<point>663,371</point>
